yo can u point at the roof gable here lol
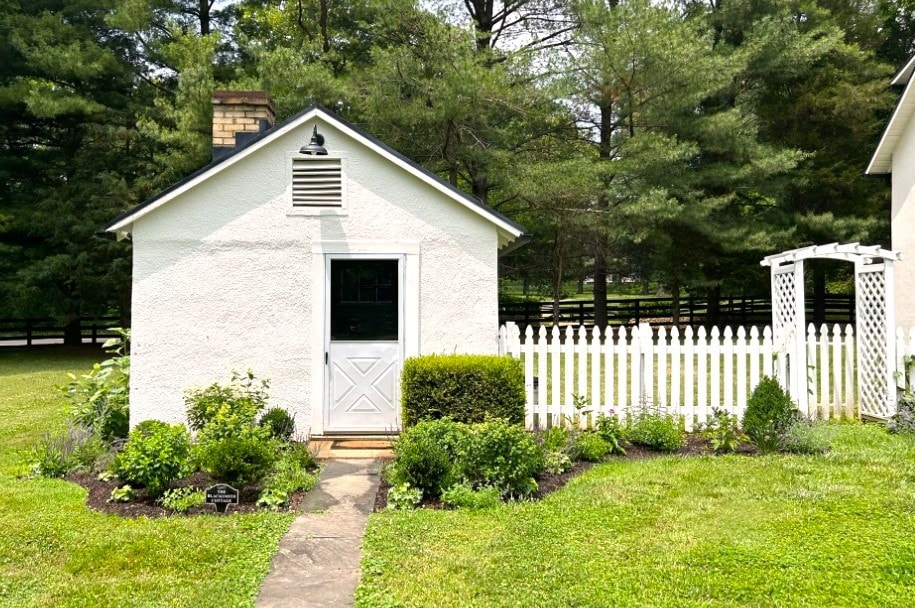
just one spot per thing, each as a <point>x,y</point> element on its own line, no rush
<point>510,232</point>
<point>882,160</point>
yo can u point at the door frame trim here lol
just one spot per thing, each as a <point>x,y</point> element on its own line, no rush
<point>315,370</point>
<point>329,258</point>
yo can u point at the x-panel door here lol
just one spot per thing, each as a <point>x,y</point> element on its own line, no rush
<point>364,342</point>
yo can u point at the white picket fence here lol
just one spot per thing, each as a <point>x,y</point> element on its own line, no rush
<point>686,373</point>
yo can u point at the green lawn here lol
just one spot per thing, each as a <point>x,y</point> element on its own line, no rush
<point>56,552</point>
<point>833,530</point>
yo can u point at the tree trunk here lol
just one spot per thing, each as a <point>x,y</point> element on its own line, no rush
<point>601,243</point>
<point>73,331</point>
<point>713,312</point>
<point>675,298</point>
<point>204,8</point>
<point>557,275</point>
<point>819,294</point>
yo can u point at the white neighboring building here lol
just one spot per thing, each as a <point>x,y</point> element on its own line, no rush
<point>895,155</point>
<point>320,271</point>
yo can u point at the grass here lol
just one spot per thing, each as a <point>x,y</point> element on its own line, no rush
<point>54,551</point>
<point>781,530</point>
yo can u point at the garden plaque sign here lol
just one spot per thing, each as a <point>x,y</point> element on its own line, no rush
<point>222,496</point>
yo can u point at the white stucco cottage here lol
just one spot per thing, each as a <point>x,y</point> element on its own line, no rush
<point>895,155</point>
<point>319,263</point>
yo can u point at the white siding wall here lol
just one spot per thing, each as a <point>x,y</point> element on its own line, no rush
<point>903,225</point>
<point>225,277</point>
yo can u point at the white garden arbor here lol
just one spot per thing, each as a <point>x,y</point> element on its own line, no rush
<point>874,322</point>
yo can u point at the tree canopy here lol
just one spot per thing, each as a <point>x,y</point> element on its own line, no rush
<point>677,140</point>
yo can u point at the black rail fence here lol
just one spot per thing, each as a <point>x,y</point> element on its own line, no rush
<point>37,331</point>
<point>695,312</point>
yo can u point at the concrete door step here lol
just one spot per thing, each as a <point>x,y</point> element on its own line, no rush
<point>352,446</point>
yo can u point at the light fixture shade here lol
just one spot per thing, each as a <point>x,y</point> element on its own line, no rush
<point>316,146</point>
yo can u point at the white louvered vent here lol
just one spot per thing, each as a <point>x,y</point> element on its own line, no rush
<point>317,183</point>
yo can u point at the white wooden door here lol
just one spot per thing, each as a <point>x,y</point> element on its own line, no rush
<point>364,346</point>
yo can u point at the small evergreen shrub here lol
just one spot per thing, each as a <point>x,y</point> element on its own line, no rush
<point>722,431</point>
<point>237,460</point>
<point>770,413</point>
<point>181,500</point>
<point>55,456</point>
<point>657,431</point>
<point>462,496</point>
<point>503,455</point>
<point>226,411</point>
<point>465,388</point>
<point>806,437</point>
<point>591,447</point>
<point>156,453</point>
<point>425,455</point>
<point>903,421</point>
<point>279,423</point>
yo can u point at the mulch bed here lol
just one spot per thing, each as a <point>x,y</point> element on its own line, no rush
<point>696,445</point>
<point>144,506</point>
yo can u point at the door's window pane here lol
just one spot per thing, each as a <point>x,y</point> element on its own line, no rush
<point>363,300</point>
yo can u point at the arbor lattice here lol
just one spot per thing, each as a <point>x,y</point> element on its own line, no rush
<point>874,325</point>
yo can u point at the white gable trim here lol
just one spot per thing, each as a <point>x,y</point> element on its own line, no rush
<point>508,231</point>
<point>882,160</point>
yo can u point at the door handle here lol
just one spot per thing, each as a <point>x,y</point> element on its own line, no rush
<point>326,357</point>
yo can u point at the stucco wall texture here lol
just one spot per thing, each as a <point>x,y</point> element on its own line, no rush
<point>226,276</point>
<point>903,227</point>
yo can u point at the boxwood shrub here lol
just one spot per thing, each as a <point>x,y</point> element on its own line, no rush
<point>465,388</point>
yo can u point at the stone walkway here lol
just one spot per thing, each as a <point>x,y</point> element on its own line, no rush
<point>317,564</point>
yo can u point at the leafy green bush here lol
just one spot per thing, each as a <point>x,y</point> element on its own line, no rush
<point>806,437</point>
<point>462,496</point>
<point>122,494</point>
<point>226,411</point>
<point>770,413</point>
<point>238,460</point>
<point>425,455</point>
<point>903,421</point>
<point>286,477</point>
<point>403,496</point>
<point>591,446</point>
<point>657,431</point>
<point>555,463</point>
<point>55,456</point>
<point>722,431</point>
<point>156,453</point>
<point>465,388</point>
<point>279,423</point>
<point>100,399</point>
<point>611,431</point>
<point>182,499</point>
<point>500,454</point>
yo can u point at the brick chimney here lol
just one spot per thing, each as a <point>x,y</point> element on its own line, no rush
<point>239,116</point>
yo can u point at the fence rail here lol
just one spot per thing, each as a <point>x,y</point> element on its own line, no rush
<point>46,330</point>
<point>659,311</point>
<point>685,373</point>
